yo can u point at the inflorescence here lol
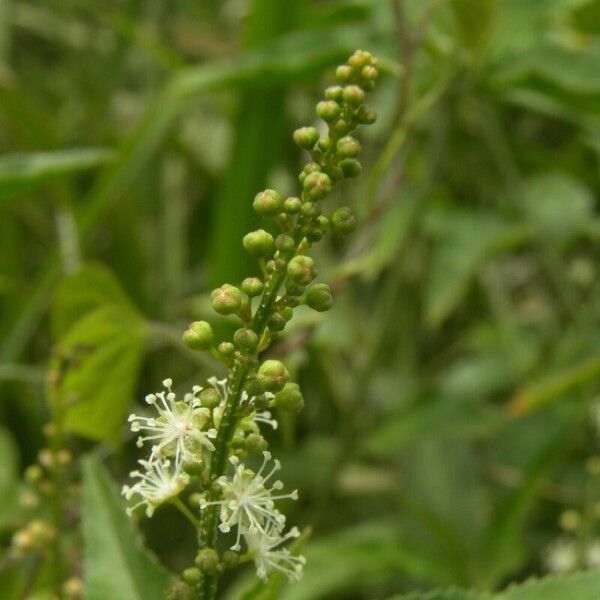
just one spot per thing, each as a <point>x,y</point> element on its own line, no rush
<point>198,442</point>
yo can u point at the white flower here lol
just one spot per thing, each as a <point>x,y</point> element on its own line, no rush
<point>269,556</point>
<point>561,556</point>
<point>248,500</point>
<point>179,429</point>
<point>157,484</point>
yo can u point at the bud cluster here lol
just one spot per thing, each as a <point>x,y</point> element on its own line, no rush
<point>200,439</point>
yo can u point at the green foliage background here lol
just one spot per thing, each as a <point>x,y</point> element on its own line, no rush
<point>449,390</point>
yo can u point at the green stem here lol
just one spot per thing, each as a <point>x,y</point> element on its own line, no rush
<point>186,512</point>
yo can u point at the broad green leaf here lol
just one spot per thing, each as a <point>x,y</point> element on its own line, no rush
<point>98,362</point>
<point>464,241</point>
<point>557,206</point>
<point>10,488</point>
<point>585,17</point>
<point>115,563</point>
<point>475,20</point>
<point>91,287</point>
<point>23,172</point>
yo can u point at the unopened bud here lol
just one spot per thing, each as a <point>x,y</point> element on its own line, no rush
<point>350,167</point>
<point>344,73</point>
<point>209,398</point>
<point>301,269</point>
<point>319,298</point>
<point>272,375</point>
<point>198,336</point>
<point>306,137</point>
<point>292,205</point>
<point>226,300</point>
<point>245,339</point>
<point>290,398</point>
<point>328,110</point>
<point>226,349</point>
<point>268,203</point>
<point>258,243</point>
<point>343,220</point>
<point>317,185</point>
<point>252,286</point>
<point>354,95</point>
<point>207,560</point>
<point>348,147</point>
<point>191,575</point>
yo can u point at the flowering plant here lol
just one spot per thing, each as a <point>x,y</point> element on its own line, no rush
<point>199,441</point>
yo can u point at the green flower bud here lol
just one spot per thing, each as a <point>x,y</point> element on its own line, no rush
<point>256,443</point>
<point>328,110</point>
<point>317,185</point>
<point>180,591</point>
<point>277,322</point>
<point>291,304</point>
<point>366,115</point>
<point>198,336</point>
<point>319,298</point>
<point>341,126</point>
<point>258,243</point>
<point>369,73</point>
<point>306,137</point>
<point>290,398</point>
<point>287,313</point>
<point>334,92</point>
<point>226,349</point>
<point>292,288</point>
<point>207,560</point>
<point>267,203</point>
<point>253,388</point>
<point>292,205</point>
<point>301,269</point>
<point>350,167</point>
<point>354,95</point>
<point>348,147</point>
<point>193,468</point>
<point>344,73</point>
<point>343,220</point>
<point>323,223</point>
<point>360,58</point>
<point>314,234</point>
<point>252,286</point>
<point>209,398</point>
<point>191,575</point>
<point>226,300</point>
<point>311,210</point>
<point>245,339</point>
<point>230,559</point>
<point>272,375</point>
<point>285,244</point>
<point>324,144</point>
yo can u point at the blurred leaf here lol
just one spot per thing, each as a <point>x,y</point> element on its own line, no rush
<point>21,173</point>
<point>441,418</point>
<point>115,563</point>
<point>91,287</point>
<point>557,205</point>
<point>585,17</point>
<point>445,595</point>
<point>553,386</point>
<point>475,20</point>
<point>100,356</point>
<point>10,487</point>
<point>464,241</point>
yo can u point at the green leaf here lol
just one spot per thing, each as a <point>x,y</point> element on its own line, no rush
<point>100,357</point>
<point>557,205</point>
<point>115,563</point>
<point>10,488</point>
<point>475,19</point>
<point>23,172</point>
<point>78,294</point>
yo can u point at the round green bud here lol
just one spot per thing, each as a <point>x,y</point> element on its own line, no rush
<point>324,144</point>
<point>360,58</point>
<point>314,234</point>
<point>207,560</point>
<point>193,467</point>
<point>258,243</point>
<point>287,313</point>
<point>354,95</point>
<point>292,288</point>
<point>198,336</point>
<point>348,147</point>
<point>285,244</point>
<point>290,398</point>
<point>268,203</point>
<point>350,167</point>
<point>311,210</point>
<point>328,110</point>
<point>209,398</point>
<point>226,349</point>
<point>277,322</point>
<point>369,73</point>
<point>340,126</point>
<point>292,205</point>
<point>291,304</point>
<point>245,339</point>
<point>226,300</point>
<point>230,559</point>
<point>180,590</point>
<point>191,575</point>
<point>334,92</point>
<point>256,443</point>
<point>252,286</point>
<point>335,173</point>
<point>343,220</point>
<point>272,375</point>
<point>323,223</point>
<point>344,73</point>
<point>306,137</point>
<point>319,298</point>
<point>317,185</point>
<point>253,388</point>
<point>366,115</point>
<point>301,269</point>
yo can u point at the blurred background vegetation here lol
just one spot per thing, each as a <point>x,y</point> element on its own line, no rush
<point>450,392</point>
